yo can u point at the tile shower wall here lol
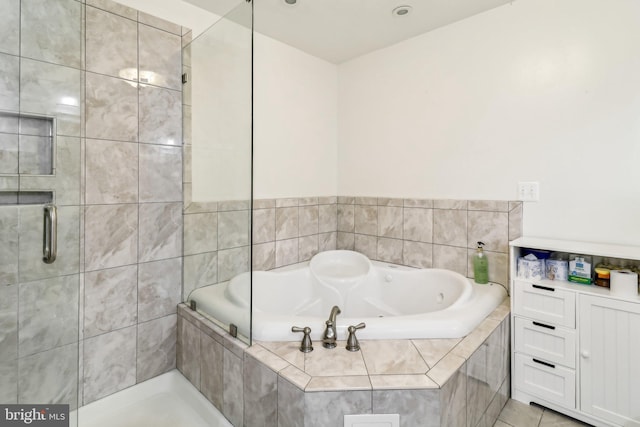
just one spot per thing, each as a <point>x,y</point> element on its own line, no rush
<point>118,187</point>
<point>132,252</point>
<point>26,147</point>
<point>40,78</point>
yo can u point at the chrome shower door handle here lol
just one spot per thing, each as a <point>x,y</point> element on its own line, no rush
<point>50,234</point>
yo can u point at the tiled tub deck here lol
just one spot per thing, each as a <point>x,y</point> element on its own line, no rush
<point>438,382</point>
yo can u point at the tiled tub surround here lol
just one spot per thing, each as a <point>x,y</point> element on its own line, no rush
<point>413,232</point>
<point>114,288</point>
<point>430,233</point>
<point>440,382</point>
<point>285,231</point>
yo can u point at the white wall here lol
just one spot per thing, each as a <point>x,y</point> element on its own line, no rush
<point>295,118</point>
<point>295,122</point>
<point>221,112</point>
<point>540,90</point>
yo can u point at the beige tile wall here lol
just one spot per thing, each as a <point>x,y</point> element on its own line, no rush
<point>288,231</point>
<point>132,195</point>
<point>430,233</point>
<point>413,232</point>
<point>285,231</point>
<point>106,309</point>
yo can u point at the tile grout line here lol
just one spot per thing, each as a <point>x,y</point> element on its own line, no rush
<point>83,202</point>
<point>138,89</point>
<point>19,210</point>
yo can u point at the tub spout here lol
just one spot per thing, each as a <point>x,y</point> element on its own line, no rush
<point>334,313</point>
<point>329,337</point>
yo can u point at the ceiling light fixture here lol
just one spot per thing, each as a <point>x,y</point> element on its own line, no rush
<point>291,2</point>
<point>401,10</point>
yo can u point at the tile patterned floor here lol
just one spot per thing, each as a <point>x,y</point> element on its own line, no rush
<point>516,414</point>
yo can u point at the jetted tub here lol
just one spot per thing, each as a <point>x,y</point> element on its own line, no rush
<point>395,302</point>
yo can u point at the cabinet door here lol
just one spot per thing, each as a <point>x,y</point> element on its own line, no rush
<point>610,359</point>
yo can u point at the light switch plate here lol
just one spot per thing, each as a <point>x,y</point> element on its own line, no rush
<point>529,191</point>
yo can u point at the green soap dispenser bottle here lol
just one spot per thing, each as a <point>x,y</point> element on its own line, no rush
<point>480,266</point>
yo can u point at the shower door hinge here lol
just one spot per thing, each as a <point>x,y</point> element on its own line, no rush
<point>185,78</point>
<point>233,330</point>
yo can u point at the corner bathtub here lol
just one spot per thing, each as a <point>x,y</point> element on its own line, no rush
<point>395,302</point>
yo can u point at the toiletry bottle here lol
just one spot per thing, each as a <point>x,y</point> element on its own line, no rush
<point>480,266</point>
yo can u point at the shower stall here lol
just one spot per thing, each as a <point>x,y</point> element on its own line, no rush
<point>40,202</point>
<point>111,208</point>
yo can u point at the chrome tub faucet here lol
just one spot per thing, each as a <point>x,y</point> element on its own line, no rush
<point>329,336</point>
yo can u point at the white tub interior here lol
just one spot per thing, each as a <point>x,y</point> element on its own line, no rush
<point>396,302</point>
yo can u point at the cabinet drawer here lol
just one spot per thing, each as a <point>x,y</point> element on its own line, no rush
<point>550,343</point>
<point>547,381</point>
<point>546,304</point>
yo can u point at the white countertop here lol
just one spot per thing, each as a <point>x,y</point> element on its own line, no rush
<point>585,248</point>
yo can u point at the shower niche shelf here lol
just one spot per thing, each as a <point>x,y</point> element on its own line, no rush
<point>26,144</point>
<point>10,198</point>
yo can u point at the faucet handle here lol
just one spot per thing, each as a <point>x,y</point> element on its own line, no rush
<point>352,341</point>
<point>306,345</point>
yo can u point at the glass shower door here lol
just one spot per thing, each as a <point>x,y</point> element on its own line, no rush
<point>39,308</point>
<point>218,169</point>
<point>40,146</point>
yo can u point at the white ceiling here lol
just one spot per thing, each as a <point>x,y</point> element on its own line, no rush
<point>339,30</point>
<point>335,30</point>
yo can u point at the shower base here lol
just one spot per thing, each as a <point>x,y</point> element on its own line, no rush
<point>168,400</point>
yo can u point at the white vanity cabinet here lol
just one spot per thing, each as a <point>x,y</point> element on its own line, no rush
<point>576,348</point>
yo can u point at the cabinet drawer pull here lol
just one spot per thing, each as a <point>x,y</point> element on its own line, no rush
<point>542,325</point>
<point>544,288</point>
<point>551,365</point>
